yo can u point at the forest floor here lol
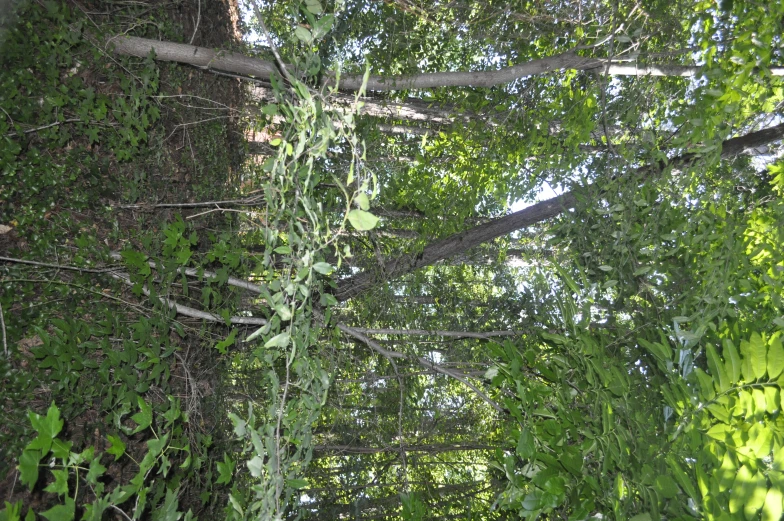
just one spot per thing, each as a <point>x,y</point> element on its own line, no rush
<point>92,145</point>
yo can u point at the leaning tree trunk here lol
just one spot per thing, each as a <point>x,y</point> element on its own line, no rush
<point>262,69</point>
<point>464,241</point>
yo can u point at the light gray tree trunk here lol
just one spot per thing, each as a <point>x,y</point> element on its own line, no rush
<point>244,65</point>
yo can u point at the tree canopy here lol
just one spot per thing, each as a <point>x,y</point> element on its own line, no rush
<point>422,260</point>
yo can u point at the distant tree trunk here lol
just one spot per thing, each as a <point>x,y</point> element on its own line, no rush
<point>411,109</point>
<point>247,66</point>
<point>464,241</point>
<point>430,449</point>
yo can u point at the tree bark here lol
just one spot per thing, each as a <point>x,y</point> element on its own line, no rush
<point>464,241</point>
<point>246,66</point>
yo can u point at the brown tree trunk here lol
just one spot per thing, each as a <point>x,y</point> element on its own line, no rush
<point>464,241</point>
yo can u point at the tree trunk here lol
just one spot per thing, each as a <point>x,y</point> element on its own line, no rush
<point>430,449</point>
<point>464,241</point>
<point>446,334</point>
<point>411,109</point>
<point>244,65</point>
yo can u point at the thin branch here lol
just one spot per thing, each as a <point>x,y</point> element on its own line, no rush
<point>272,45</point>
<point>193,272</point>
<point>121,511</point>
<point>44,127</point>
<point>250,201</point>
<point>425,332</point>
<point>60,266</point>
<point>198,20</point>
<point>375,346</point>
<point>189,311</point>
<point>2,324</point>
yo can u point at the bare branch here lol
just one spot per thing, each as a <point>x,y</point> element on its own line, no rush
<point>375,346</point>
<point>425,332</point>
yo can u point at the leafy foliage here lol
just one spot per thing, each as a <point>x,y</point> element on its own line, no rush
<point>624,360</point>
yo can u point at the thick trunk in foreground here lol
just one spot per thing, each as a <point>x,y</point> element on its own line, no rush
<point>244,65</point>
<point>464,241</point>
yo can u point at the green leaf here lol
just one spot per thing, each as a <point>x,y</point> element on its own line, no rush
<point>117,448</point>
<point>228,341</point>
<point>256,466</point>
<point>666,487</point>
<point>298,484</point>
<point>239,425</point>
<point>283,312</point>
<point>772,399</point>
<point>280,340</point>
<point>313,6</point>
<point>169,510</point>
<point>94,511</point>
<point>526,445</point>
<point>12,511</point>
<point>61,512</point>
<point>138,260</point>
<point>741,489</point>
<point>155,446</point>
<point>263,330</point>
<point>362,220</point>
<point>773,508</point>
<point>661,351</point>
<point>726,473</point>
<point>707,387</point>
<point>226,470</point>
<point>48,427</point>
<point>744,406</point>
<point>760,439</point>
<point>323,26</point>
<point>28,467</point>
<point>303,34</point>
<point>760,405</point>
<point>95,472</point>
<point>60,483</point>
<point>619,487</point>
<point>362,201</point>
<point>757,491</point>
<point>61,449</point>
<point>323,267</point>
<point>719,431</point>
<point>758,352</point>
<point>717,368</point>
<point>775,356</point>
<point>732,359</point>
<point>682,478</point>
<point>143,418</point>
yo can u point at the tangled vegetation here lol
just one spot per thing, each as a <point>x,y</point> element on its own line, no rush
<point>391,260</point>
